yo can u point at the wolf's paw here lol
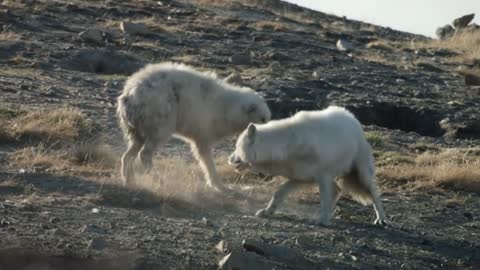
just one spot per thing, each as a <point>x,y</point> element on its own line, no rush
<point>381,222</point>
<point>320,222</point>
<point>126,181</point>
<point>263,213</point>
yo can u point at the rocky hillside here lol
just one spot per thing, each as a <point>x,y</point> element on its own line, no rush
<point>412,93</point>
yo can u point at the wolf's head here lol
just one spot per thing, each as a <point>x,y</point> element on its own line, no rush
<point>248,107</point>
<point>244,153</point>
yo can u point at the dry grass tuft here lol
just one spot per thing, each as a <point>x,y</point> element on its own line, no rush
<point>94,151</point>
<point>457,169</point>
<point>66,124</point>
<point>375,138</point>
<point>271,25</point>
<point>5,132</point>
<point>9,36</point>
<point>466,42</point>
<point>381,45</point>
<point>31,158</point>
<point>86,156</point>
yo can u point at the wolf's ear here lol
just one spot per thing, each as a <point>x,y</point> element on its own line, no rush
<point>251,131</point>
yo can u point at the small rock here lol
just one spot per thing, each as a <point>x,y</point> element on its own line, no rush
<point>4,15</point>
<point>304,241</point>
<point>95,210</point>
<point>222,246</point>
<point>400,80</point>
<point>278,56</point>
<point>275,67</point>
<point>241,59</point>
<point>280,253</point>
<point>58,232</point>
<point>463,21</point>
<point>92,228</point>
<point>244,261</point>
<point>445,32</point>
<point>97,243</point>
<point>471,79</point>
<point>93,35</point>
<point>5,223</point>
<point>127,40</point>
<point>54,220</point>
<point>134,28</point>
<point>468,215</point>
<point>234,78</point>
<point>343,45</point>
<point>206,222</point>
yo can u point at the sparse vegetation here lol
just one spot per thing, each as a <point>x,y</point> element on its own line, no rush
<point>457,169</point>
<point>465,42</point>
<point>375,138</point>
<point>9,36</point>
<point>383,45</point>
<point>271,25</point>
<point>65,124</point>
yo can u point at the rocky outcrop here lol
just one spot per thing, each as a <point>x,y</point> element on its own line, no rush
<point>463,21</point>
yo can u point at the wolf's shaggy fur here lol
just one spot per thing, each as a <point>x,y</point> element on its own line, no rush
<point>313,146</point>
<point>168,99</point>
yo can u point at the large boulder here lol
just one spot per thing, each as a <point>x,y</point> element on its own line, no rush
<point>445,32</point>
<point>463,21</point>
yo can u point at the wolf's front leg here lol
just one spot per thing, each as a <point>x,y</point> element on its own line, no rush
<point>277,197</point>
<point>203,153</point>
<point>328,194</point>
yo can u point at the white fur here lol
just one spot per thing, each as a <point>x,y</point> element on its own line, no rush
<point>312,146</point>
<point>168,99</point>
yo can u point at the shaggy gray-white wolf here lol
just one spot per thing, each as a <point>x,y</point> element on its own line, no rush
<point>313,146</point>
<point>172,99</point>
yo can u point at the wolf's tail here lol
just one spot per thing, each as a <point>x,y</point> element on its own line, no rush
<point>359,182</point>
<point>125,114</point>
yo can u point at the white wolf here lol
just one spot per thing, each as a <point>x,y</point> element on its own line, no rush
<point>168,99</point>
<point>312,146</point>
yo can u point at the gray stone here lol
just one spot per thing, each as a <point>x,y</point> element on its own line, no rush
<point>445,32</point>
<point>463,21</point>
<point>246,261</point>
<point>229,246</point>
<point>4,15</point>
<point>241,59</point>
<point>234,78</point>
<point>103,62</point>
<point>275,67</point>
<point>92,228</point>
<point>344,45</point>
<point>97,243</point>
<point>134,28</point>
<point>93,35</point>
<point>471,79</point>
<point>282,254</point>
<point>305,241</point>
